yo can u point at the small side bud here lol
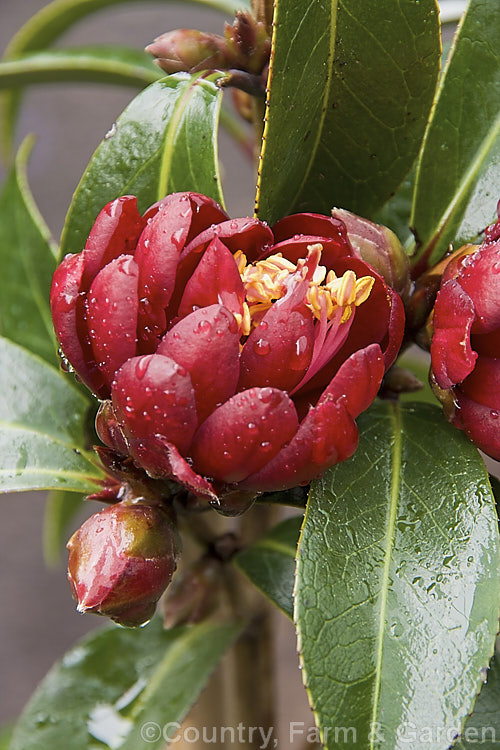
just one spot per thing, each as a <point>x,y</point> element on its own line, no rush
<point>109,430</point>
<point>122,559</point>
<point>189,50</point>
<point>378,246</point>
<point>248,43</point>
<point>399,380</point>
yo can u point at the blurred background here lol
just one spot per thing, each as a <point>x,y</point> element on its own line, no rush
<point>38,621</point>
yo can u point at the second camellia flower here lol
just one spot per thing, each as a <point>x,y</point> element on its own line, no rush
<point>227,355</point>
<point>465,350</point>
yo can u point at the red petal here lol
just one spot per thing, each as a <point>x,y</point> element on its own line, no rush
<point>483,384</point>
<point>391,343</point>
<point>115,232</point>
<point>112,314</point>
<point>316,225</point>
<point>251,236</point>
<point>481,424</point>
<point>357,381</point>
<point>327,435</point>
<point>243,434</point>
<point>206,343</point>
<point>216,280</point>
<point>185,475</point>
<point>157,255</point>
<point>279,350</point>
<point>248,235</point>
<point>68,311</point>
<point>451,351</point>
<point>479,276</point>
<point>205,211</point>
<point>153,398</point>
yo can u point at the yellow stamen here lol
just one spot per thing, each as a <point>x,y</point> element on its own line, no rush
<point>241,261</point>
<point>265,282</point>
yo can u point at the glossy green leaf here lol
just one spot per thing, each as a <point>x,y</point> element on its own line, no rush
<point>60,509</point>
<point>103,64</point>
<point>28,259</point>
<point>397,592</point>
<point>270,563</point>
<point>458,175</point>
<point>482,728</point>
<point>349,96</point>
<point>121,687</point>
<point>164,141</point>
<point>42,418</point>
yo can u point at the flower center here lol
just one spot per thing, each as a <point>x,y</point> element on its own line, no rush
<point>327,295</point>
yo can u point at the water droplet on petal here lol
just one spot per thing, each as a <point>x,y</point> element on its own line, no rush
<point>262,347</point>
<point>177,237</point>
<point>203,327</point>
<point>141,367</point>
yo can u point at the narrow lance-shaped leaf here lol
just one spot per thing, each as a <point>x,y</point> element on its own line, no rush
<point>28,259</point>
<point>122,687</point>
<point>348,100</point>
<point>46,26</point>
<point>458,175</point>
<point>102,64</point>
<point>270,563</point>
<point>42,420</point>
<point>397,594</point>
<point>165,141</point>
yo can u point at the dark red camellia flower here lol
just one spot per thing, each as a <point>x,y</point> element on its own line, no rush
<point>465,347</point>
<point>229,356</point>
<point>121,560</point>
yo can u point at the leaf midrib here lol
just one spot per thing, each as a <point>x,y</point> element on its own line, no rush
<point>170,136</point>
<point>389,546</point>
<point>465,184</point>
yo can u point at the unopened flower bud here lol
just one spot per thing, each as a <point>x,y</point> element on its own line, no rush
<point>248,43</point>
<point>189,50</point>
<point>378,246</point>
<point>121,560</point>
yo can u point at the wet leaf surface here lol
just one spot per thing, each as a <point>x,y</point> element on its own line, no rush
<point>397,591</point>
<point>165,141</point>
<point>42,423</point>
<point>349,97</point>
<point>121,688</point>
